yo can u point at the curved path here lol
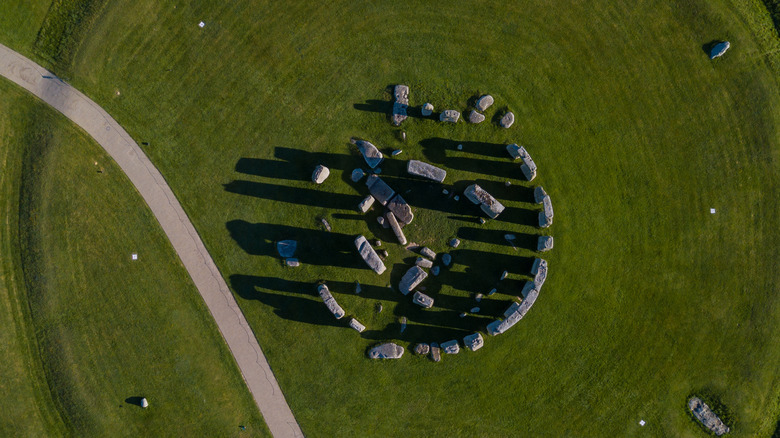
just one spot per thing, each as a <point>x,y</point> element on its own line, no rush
<point>177,226</point>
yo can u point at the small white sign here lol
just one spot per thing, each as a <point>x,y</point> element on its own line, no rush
<point>642,422</point>
<point>201,24</point>
<point>712,211</point>
<point>134,256</point>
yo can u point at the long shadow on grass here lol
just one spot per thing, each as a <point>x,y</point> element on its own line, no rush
<point>293,195</point>
<point>315,247</point>
<point>497,237</point>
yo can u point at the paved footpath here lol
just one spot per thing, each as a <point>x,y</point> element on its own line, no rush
<point>177,226</point>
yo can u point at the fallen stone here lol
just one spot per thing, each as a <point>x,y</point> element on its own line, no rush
<point>401,209</point>
<point>719,49</point>
<point>475,117</point>
<point>507,120</point>
<point>382,222</point>
<point>399,234</point>
<point>379,189</point>
<point>547,205</point>
<point>326,224</point>
<point>510,237</point>
<point>539,194</point>
<point>451,347</point>
<point>423,263</point>
<point>484,102</point>
<point>401,93</point>
<point>507,183</point>
<point>286,248</point>
<point>366,204</point>
<point>377,243</point>
<point>402,134</point>
<point>369,255</point>
<point>413,277</point>
<point>425,170</point>
<point>422,349</point>
<point>386,351</point>
<point>370,153</point>
<point>357,175</point>
<point>355,324</point>
<point>320,174</point>
<point>475,310</point>
<point>492,291</point>
<point>427,109</point>
<point>435,271</point>
<point>545,243</point>
<point>473,342</point>
<point>544,220</point>
<point>435,352</point>
<point>706,416</point>
<point>396,152</point>
<point>422,300</point>
<point>451,116</point>
<point>292,262</point>
<point>497,327</point>
<point>382,253</point>
<point>446,259</point>
<point>460,147</point>
<point>488,203</point>
<point>330,302</point>
<point>427,252</point>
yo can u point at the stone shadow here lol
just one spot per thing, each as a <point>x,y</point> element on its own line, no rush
<point>293,195</point>
<point>496,237</point>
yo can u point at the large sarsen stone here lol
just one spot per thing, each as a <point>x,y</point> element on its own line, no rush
<point>369,255</point>
<point>413,277</point>
<point>425,170</point>
<point>370,153</point>
<point>386,351</point>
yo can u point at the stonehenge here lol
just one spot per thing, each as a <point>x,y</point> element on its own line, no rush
<point>704,414</point>
<point>413,277</point>
<point>475,117</point>
<point>539,271</point>
<point>386,351</point>
<point>401,93</point>
<point>370,153</point>
<point>369,255</point>
<point>330,302</point>
<point>425,170</point>
<point>488,203</point>
<point>422,300</point>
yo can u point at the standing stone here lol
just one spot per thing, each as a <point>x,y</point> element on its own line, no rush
<point>707,417</point>
<point>386,351</point>
<point>366,204</point>
<point>144,403</point>
<point>401,93</point>
<point>719,49</point>
<point>427,252</point>
<point>451,347</point>
<point>427,109</point>
<point>512,317</point>
<point>355,324</point>
<point>379,189</point>
<point>382,253</point>
<point>475,117</point>
<point>544,220</point>
<point>422,300</point>
<point>330,302</point>
<point>446,259</point>
<point>369,255</point>
<point>422,349</point>
<point>286,248</point>
<point>454,242</point>
<point>357,175</point>
<point>507,120</point>
<point>545,243</point>
<point>528,167</point>
<point>451,116</point>
<point>474,342</point>
<point>413,277</point>
<point>488,203</point>
<point>435,271</point>
<point>484,102</point>
<point>399,234</point>
<point>425,170</point>
<point>401,209</point>
<point>320,174</point>
<point>423,263</point>
<point>370,153</point>
<point>292,262</point>
<point>435,352</point>
<point>539,194</point>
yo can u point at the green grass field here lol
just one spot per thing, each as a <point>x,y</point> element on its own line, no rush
<point>90,331</point>
<point>637,134</point>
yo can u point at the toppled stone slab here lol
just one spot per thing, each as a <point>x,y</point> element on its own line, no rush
<point>369,255</point>
<point>401,93</point>
<point>497,327</point>
<point>488,203</point>
<point>357,175</point>
<point>320,174</point>
<point>474,342</point>
<point>379,189</point>
<point>386,351</point>
<point>427,252</point>
<point>330,302</point>
<point>545,243</point>
<point>719,49</point>
<point>451,116</point>
<point>422,300</point>
<point>401,209</point>
<point>413,277</point>
<point>292,262</point>
<point>547,205</point>
<point>446,259</point>
<point>454,243</point>
<point>423,263</point>
<point>539,194</point>
<point>435,352</point>
<point>286,248</point>
<point>427,109</point>
<point>422,349</point>
<point>425,170</point>
<point>484,102</point>
<point>370,153</point>
<point>706,416</point>
<point>366,204</point>
<point>355,324</point>
<point>475,117</point>
<point>507,120</point>
<point>399,234</point>
<point>451,347</point>
<point>528,167</point>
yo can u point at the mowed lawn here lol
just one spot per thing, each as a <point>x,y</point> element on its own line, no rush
<point>91,331</point>
<point>637,134</point>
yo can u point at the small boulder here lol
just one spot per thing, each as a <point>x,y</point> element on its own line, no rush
<point>507,120</point>
<point>411,279</point>
<point>719,49</point>
<point>478,297</point>
<point>475,117</point>
<point>383,253</point>
<point>422,349</point>
<point>358,289</point>
<point>454,242</point>
<point>484,102</point>
<point>357,175</point>
<point>423,263</point>
<point>382,222</point>
<point>144,403</point>
<point>446,259</point>
<point>475,310</point>
<point>355,324</point>
<point>451,116</point>
<point>403,324</point>
<point>320,174</point>
<point>386,351</point>
<point>451,347</point>
<point>370,153</point>
<point>427,109</point>
<point>286,248</point>
<point>292,262</point>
